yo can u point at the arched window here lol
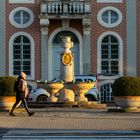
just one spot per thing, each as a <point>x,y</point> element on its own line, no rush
<point>21,55</point>
<point>109,55</point>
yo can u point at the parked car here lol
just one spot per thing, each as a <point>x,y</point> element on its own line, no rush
<point>38,95</point>
<point>92,94</point>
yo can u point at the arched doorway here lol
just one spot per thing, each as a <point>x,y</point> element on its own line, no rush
<point>57,50</point>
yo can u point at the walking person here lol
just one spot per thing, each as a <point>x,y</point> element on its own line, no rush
<point>21,90</point>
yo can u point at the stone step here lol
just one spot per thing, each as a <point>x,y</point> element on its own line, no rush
<point>68,104</point>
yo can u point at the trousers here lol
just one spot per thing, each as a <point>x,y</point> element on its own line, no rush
<point>18,100</point>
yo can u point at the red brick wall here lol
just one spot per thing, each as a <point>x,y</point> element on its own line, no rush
<point>33,30</point>
<point>55,23</point>
<point>77,24</point>
<point>98,29</point>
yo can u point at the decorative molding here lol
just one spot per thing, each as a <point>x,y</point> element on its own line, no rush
<point>44,22</point>
<point>86,31</point>
<point>86,25</point>
<point>86,22</point>
<point>65,24</point>
<point>44,30</point>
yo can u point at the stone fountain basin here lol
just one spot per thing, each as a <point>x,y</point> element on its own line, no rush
<point>85,86</point>
<point>54,87</point>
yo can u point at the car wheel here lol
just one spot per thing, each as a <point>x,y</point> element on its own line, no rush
<point>42,99</point>
<point>90,97</point>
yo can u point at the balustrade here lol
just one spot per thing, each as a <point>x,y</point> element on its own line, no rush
<point>65,7</point>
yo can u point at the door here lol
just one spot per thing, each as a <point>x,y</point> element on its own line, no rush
<point>57,50</point>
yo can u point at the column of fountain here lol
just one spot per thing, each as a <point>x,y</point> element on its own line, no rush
<point>67,70</point>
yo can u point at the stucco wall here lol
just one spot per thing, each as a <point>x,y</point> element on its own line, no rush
<point>131,37</point>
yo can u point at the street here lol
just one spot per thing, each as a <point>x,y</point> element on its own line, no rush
<point>70,124</point>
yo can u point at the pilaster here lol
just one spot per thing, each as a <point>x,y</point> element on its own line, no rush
<point>86,45</point>
<point>44,48</point>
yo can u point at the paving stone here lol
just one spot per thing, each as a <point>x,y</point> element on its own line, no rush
<point>70,118</point>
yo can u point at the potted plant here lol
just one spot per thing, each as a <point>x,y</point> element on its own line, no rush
<point>126,92</point>
<point>7,94</point>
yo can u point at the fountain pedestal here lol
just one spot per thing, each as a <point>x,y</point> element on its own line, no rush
<point>67,93</point>
<point>67,70</point>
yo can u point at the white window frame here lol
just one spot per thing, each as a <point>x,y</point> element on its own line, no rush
<point>21,1</point>
<point>31,77</point>
<point>120,47</point>
<point>112,25</point>
<point>15,24</point>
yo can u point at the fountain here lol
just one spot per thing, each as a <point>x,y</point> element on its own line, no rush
<point>68,90</point>
<point>53,88</point>
<point>82,88</point>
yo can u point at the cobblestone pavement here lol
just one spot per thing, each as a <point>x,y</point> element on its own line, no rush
<point>70,118</point>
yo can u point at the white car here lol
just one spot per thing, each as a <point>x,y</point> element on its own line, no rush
<point>38,95</point>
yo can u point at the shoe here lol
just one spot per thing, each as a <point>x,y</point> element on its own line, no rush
<point>31,113</point>
<point>11,114</point>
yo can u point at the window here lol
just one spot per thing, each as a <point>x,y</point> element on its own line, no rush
<point>109,17</point>
<point>21,55</point>
<point>109,56</point>
<point>21,17</point>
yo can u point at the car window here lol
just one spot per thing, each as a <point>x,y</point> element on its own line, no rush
<point>89,80</point>
<point>84,78</point>
<point>78,80</point>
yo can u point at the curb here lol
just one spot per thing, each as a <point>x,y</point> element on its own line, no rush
<point>125,110</point>
<point>61,132</point>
